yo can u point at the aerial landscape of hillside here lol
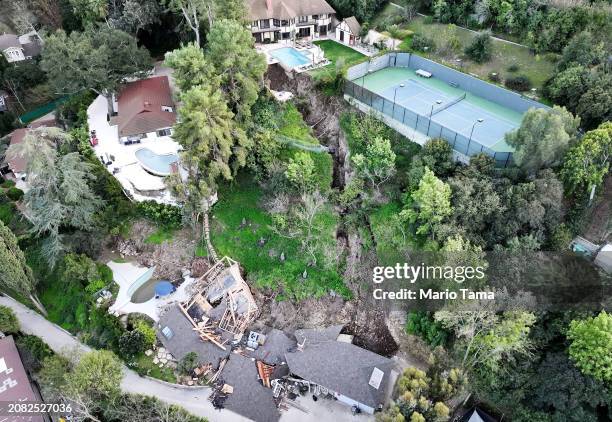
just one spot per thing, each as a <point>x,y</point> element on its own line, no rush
<point>306,210</point>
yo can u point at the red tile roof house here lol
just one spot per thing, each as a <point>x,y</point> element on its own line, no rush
<point>144,109</point>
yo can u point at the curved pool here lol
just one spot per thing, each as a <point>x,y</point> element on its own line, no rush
<point>158,164</point>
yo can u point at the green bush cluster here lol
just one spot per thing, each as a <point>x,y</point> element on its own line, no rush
<point>163,214</point>
<point>14,194</point>
<point>518,83</point>
<point>422,43</point>
<point>422,324</point>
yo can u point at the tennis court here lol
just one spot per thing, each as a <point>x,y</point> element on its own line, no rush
<point>449,107</point>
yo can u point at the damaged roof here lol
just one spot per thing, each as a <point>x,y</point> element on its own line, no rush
<point>318,335</point>
<point>185,339</point>
<point>343,368</point>
<point>249,398</point>
<point>276,345</point>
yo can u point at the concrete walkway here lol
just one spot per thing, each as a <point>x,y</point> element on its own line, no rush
<point>193,399</point>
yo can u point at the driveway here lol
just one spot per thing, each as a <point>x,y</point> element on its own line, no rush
<point>194,400</point>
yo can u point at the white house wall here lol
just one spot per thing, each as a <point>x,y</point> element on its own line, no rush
<point>350,402</point>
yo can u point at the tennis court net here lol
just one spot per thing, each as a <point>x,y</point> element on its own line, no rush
<point>451,103</point>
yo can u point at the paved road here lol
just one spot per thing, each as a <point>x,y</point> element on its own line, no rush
<point>195,400</point>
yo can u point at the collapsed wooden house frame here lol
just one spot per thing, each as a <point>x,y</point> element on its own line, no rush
<point>240,307</point>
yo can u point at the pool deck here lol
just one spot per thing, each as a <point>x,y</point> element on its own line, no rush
<point>126,275</point>
<point>140,184</point>
<point>314,51</point>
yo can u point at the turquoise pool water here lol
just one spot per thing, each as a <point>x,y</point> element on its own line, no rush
<point>289,56</point>
<point>159,164</point>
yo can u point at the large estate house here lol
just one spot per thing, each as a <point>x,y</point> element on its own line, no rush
<point>274,20</point>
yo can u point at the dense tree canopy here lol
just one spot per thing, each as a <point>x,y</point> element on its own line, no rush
<point>542,138</point>
<point>98,59</point>
<point>591,345</point>
<point>230,50</point>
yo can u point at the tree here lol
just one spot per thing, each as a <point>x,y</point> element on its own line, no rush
<point>15,275</point>
<point>489,340</point>
<point>212,145</point>
<point>9,324</point>
<point>193,11</point>
<point>240,66</point>
<point>591,342</point>
<point>301,172</point>
<point>136,15</point>
<point>97,374</point>
<point>132,343</point>
<point>429,205</point>
<point>542,138</point>
<point>191,67</point>
<point>377,164</point>
<point>89,11</point>
<point>582,50</point>
<point>99,59</point>
<point>567,87</point>
<point>59,194</point>
<point>480,48</point>
<point>595,105</point>
<point>587,162</point>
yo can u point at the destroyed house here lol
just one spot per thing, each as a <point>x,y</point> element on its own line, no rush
<point>216,315</point>
<point>248,396</point>
<point>354,376</point>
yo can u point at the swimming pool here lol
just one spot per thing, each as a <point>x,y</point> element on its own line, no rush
<point>290,57</point>
<point>158,164</point>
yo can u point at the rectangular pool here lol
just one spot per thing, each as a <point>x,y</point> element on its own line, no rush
<point>290,57</point>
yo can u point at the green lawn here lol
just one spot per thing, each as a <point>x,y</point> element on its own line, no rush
<point>535,67</point>
<point>333,52</point>
<point>161,235</point>
<point>240,203</point>
<point>144,365</point>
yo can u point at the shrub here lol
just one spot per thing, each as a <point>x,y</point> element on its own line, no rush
<point>428,20</point>
<point>422,43</point>
<point>513,67</point>
<point>14,194</point>
<point>132,343</point>
<point>37,348</point>
<point>188,363</point>
<point>8,183</point>
<point>147,331</point>
<point>422,324</point>
<point>164,214</point>
<point>518,83</point>
<point>95,286</point>
<point>8,321</point>
<point>480,49</point>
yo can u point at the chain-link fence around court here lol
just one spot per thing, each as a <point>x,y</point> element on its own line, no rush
<point>423,124</point>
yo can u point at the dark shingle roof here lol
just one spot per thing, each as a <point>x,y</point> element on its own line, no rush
<point>287,9</point>
<point>185,339</point>
<point>343,368</point>
<point>250,398</point>
<point>140,106</point>
<point>273,350</point>
<point>318,335</point>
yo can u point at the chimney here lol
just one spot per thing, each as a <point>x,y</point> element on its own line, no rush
<point>269,5</point>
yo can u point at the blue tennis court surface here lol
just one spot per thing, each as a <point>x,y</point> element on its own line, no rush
<point>449,107</point>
